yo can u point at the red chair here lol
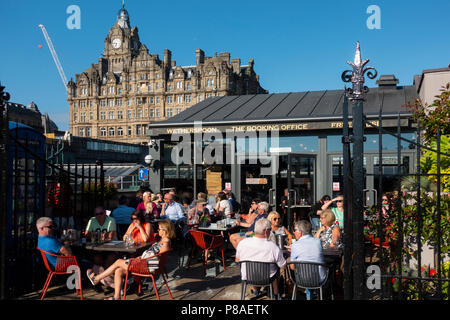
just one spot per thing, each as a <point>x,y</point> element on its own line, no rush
<point>138,268</point>
<point>206,241</point>
<point>62,264</point>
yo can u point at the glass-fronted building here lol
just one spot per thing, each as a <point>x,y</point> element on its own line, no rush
<point>261,145</point>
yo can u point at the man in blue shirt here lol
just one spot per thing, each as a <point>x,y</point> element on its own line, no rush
<point>48,242</point>
<point>122,215</point>
<point>172,210</point>
<point>307,248</point>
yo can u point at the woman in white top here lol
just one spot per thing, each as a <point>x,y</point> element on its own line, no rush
<point>223,206</point>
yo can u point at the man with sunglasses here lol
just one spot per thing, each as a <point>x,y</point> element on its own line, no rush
<point>338,210</point>
<point>102,223</point>
<point>47,241</point>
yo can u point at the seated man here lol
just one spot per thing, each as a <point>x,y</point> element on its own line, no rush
<point>48,242</point>
<point>307,248</point>
<point>122,215</point>
<point>260,248</point>
<point>107,227</point>
<point>172,210</point>
<point>235,238</point>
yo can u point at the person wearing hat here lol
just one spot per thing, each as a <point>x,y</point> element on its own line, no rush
<point>199,211</point>
<point>196,214</point>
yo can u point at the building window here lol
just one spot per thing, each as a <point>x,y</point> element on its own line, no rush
<point>88,131</point>
<point>119,114</point>
<point>102,115</point>
<point>111,132</point>
<point>139,113</point>
<point>91,116</point>
<point>169,112</point>
<point>111,103</point>
<point>157,76</point>
<point>120,131</point>
<point>152,113</point>
<point>188,87</point>
<point>102,132</point>
<point>158,113</point>
<point>138,88</point>
<point>103,92</point>
<point>83,117</point>
<point>138,130</point>
<point>170,87</point>
<point>111,115</point>
<point>199,98</point>
<point>157,86</point>
<point>179,84</point>
<point>139,101</point>
<point>81,132</point>
<point>75,117</point>
<point>179,99</point>
<point>170,99</point>
<point>149,88</point>
<point>129,131</point>
<point>158,100</point>
<point>179,110</point>
<point>119,102</point>
<point>103,103</point>
<point>188,99</point>
<point>152,100</point>
<point>120,91</point>
<point>130,114</point>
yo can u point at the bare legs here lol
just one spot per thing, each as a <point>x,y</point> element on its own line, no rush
<point>118,268</point>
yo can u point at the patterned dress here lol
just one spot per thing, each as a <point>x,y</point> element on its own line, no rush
<point>326,237</point>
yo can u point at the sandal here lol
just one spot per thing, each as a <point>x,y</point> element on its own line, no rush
<point>91,277</point>
<point>111,298</point>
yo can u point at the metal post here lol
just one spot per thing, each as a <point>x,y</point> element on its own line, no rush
<point>4,177</point>
<point>356,95</point>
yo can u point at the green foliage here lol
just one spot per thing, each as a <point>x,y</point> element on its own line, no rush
<point>110,189</point>
<point>428,162</point>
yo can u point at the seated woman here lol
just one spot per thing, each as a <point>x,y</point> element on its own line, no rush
<point>119,268</point>
<point>148,207</point>
<point>139,230</point>
<point>329,233</point>
<point>275,218</point>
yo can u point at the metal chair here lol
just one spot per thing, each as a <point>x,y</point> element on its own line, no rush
<point>307,276</point>
<point>258,275</point>
<point>62,265</point>
<point>206,241</point>
<point>139,269</point>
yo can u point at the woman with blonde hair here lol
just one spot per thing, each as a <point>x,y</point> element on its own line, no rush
<point>119,268</point>
<point>148,207</point>
<point>329,233</point>
<point>275,219</point>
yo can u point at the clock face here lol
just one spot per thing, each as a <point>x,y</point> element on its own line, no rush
<point>116,43</point>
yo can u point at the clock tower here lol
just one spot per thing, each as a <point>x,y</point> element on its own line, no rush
<point>121,43</point>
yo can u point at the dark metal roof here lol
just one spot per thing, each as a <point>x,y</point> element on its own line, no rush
<point>289,106</point>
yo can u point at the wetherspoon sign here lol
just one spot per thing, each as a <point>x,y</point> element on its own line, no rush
<point>290,126</point>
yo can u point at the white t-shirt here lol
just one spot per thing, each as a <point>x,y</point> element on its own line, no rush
<point>226,205</point>
<point>259,249</point>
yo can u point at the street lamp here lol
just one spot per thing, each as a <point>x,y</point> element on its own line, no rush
<point>148,159</point>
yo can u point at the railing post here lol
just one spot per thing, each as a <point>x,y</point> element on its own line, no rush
<point>356,95</point>
<point>4,174</point>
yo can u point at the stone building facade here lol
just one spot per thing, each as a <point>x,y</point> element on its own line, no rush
<point>116,98</point>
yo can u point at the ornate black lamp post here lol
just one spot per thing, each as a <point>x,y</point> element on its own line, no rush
<point>354,224</point>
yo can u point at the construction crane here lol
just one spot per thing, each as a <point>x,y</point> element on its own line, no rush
<point>54,55</point>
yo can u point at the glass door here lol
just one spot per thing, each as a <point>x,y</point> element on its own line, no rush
<point>301,171</point>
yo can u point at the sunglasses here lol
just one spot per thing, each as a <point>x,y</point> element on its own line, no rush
<point>340,201</point>
<point>276,219</point>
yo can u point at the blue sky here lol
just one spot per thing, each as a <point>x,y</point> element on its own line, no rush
<point>297,45</point>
